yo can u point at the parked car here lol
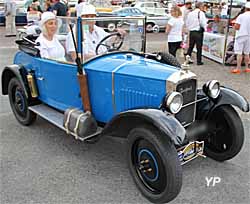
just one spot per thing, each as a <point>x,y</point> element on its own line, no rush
<point>154,23</point>
<point>146,98</point>
<point>20,17</point>
<point>151,7</point>
<point>117,2</point>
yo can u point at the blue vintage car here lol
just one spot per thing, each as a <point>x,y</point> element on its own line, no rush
<point>149,99</point>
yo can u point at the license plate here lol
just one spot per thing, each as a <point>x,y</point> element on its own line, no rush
<point>190,151</point>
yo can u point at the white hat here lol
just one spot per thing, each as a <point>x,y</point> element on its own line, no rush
<point>188,1</point>
<point>247,5</point>
<point>88,9</point>
<point>47,16</point>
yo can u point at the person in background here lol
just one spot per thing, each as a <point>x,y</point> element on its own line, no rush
<point>242,39</point>
<point>205,8</point>
<point>174,30</point>
<point>185,10</point>
<point>223,9</point>
<point>59,8</point>
<point>50,47</point>
<point>33,15</point>
<point>10,16</point>
<point>79,6</point>
<point>217,26</point>
<point>37,3</point>
<point>48,5</point>
<point>196,24</point>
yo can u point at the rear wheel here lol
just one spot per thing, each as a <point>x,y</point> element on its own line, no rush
<point>226,137</point>
<point>111,27</point>
<point>19,103</point>
<point>149,27</point>
<point>154,164</point>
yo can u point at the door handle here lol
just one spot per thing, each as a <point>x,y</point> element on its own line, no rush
<point>40,78</point>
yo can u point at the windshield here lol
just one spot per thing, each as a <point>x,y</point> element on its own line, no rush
<point>103,35</point>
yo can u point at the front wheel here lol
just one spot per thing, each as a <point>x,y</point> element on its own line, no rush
<point>154,164</point>
<point>19,103</point>
<point>226,136</point>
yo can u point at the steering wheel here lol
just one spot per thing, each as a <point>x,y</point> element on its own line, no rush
<point>112,45</point>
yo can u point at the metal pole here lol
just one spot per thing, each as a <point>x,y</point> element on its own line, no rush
<point>227,33</point>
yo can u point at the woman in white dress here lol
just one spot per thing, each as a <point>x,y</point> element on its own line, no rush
<point>50,47</point>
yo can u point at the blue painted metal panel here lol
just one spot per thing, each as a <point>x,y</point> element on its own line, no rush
<point>138,82</point>
<point>100,90</point>
<point>138,92</point>
<point>58,85</point>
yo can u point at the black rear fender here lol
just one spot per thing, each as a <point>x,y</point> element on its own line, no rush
<point>14,71</point>
<point>167,124</point>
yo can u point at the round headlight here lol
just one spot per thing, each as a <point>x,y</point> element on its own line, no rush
<point>212,88</point>
<point>174,102</point>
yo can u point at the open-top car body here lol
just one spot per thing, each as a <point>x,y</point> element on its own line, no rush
<point>147,98</point>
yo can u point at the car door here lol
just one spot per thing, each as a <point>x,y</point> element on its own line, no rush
<point>58,84</point>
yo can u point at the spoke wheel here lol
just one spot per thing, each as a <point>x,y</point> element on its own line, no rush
<point>19,103</point>
<point>226,137</point>
<point>154,164</point>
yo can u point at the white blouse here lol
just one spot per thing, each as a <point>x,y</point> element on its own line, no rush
<point>51,49</point>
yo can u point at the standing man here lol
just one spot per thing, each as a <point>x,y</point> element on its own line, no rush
<point>10,18</point>
<point>185,10</point>
<point>196,24</point>
<point>59,8</point>
<point>242,39</point>
<point>224,9</point>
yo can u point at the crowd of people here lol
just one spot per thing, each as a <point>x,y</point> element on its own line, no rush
<point>185,27</point>
<point>34,11</point>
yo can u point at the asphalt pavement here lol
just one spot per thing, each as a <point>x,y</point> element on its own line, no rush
<point>41,164</point>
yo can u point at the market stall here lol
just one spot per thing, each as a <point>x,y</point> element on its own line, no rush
<point>215,44</point>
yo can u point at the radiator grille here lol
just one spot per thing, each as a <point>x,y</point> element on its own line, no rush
<point>188,91</point>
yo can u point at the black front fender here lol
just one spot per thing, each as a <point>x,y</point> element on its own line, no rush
<point>227,97</point>
<point>14,71</point>
<point>167,124</point>
<point>231,97</point>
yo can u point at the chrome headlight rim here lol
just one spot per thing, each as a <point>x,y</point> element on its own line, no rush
<point>170,99</point>
<point>209,87</point>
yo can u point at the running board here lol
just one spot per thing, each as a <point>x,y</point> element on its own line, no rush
<point>56,118</point>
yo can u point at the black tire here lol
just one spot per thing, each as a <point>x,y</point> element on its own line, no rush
<point>19,103</point>
<point>163,182</point>
<point>169,59</point>
<point>226,137</point>
<point>149,27</point>
<point>111,27</point>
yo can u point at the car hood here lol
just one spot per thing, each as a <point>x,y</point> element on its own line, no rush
<point>131,64</point>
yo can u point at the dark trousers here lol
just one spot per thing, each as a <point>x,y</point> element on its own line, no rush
<point>173,47</point>
<point>195,38</point>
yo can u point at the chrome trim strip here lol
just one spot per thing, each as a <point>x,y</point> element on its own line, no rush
<point>196,101</point>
